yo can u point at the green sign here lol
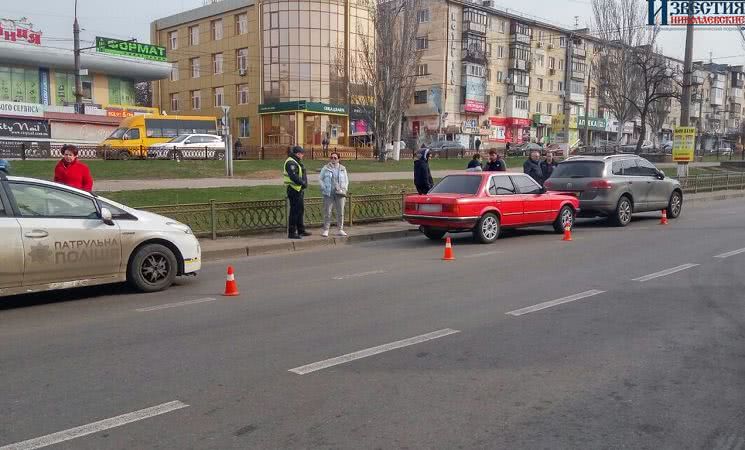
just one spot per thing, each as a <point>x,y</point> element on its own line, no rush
<point>131,49</point>
<point>593,123</point>
<point>302,105</point>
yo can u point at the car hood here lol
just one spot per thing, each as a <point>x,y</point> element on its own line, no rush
<point>156,221</point>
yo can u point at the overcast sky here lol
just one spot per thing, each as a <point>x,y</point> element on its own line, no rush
<point>131,18</point>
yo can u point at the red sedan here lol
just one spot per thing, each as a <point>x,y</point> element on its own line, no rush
<point>485,202</point>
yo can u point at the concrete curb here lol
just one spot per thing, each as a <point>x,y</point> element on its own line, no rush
<point>297,246</point>
<point>714,197</point>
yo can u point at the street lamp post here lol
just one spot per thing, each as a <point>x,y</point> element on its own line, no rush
<point>79,108</point>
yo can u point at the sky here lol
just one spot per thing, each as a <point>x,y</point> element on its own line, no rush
<point>111,18</point>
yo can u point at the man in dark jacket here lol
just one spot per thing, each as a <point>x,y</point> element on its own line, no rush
<point>532,167</point>
<point>548,165</point>
<point>422,175</point>
<point>296,181</point>
<point>495,163</point>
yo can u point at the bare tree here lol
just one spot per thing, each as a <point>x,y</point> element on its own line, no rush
<point>144,93</point>
<point>657,115</point>
<point>383,70</point>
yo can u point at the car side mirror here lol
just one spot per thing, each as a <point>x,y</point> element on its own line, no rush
<point>187,142</point>
<point>660,174</point>
<point>106,216</point>
<point>543,189</point>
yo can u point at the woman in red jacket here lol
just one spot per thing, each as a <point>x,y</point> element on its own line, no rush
<point>72,172</point>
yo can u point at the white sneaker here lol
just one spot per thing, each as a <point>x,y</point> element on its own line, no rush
<point>325,233</point>
<point>342,233</point>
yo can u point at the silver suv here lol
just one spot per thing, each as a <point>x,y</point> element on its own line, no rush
<point>617,186</point>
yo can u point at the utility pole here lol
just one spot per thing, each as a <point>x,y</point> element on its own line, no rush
<point>685,105</point>
<point>587,106</point>
<point>567,89</point>
<point>79,108</point>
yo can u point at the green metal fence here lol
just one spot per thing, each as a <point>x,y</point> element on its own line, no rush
<point>216,219</point>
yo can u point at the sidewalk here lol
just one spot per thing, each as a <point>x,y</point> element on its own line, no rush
<point>197,183</point>
<point>269,243</point>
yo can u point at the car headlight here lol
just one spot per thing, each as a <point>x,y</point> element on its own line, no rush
<point>180,226</point>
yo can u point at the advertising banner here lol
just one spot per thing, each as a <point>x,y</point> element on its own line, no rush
<point>44,94</point>
<point>20,128</point>
<point>475,95</point>
<point>130,49</point>
<point>684,144</point>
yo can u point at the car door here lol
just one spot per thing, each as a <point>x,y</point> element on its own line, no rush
<point>639,184</point>
<point>659,191</point>
<point>536,206</point>
<point>64,238</point>
<point>508,201</point>
<point>11,251</point>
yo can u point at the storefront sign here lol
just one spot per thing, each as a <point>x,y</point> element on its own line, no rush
<point>684,144</point>
<point>119,113</point>
<point>21,109</point>
<point>24,128</point>
<point>519,122</point>
<point>475,95</point>
<point>594,123</point>
<point>542,119</point>
<point>19,31</point>
<point>470,126</point>
<point>44,87</point>
<point>15,149</point>
<point>302,105</point>
<point>131,49</point>
<point>325,108</point>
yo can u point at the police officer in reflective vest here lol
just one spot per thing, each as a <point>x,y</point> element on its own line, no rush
<point>296,181</point>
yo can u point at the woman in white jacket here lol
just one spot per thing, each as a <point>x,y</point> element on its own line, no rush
<point>334,185</point>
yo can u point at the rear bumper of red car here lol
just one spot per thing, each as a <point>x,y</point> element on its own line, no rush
<point>442,222</point>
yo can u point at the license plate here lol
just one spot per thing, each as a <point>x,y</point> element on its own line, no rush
<point>430,208</point>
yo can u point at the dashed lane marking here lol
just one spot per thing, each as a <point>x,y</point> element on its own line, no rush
<point>664,273</point>
<point>175,305</point>
<point>552,303</point>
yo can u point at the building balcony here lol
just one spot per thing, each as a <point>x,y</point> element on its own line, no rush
<point>519,38</point>
<point>576,98</point>
<point>517,89</point>
<point>474,55</point>
<point>579,52</point>
<point>474,27</point>
<point>738,84</point>
<point>697,79</point>
<point>735,94</point>
<point>580,76</point>
<point>519,64</point>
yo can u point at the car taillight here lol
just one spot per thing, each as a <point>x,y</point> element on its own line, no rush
<point>450,208</point>
<point>410,206</point>
<point>600,184</point>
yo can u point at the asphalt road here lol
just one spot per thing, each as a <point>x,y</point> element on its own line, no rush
<point>627,354</point>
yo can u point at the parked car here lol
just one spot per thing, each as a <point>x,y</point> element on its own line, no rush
<point>189,146</point>
<point>58,237</point>
<point>666,147</point>
<point>524,149</point>
<point>4,166</point>
<point>647,146</point>
<point>485,202</point>
<point>452,147</point>
<point>617,186</point>
<point>724,149</point>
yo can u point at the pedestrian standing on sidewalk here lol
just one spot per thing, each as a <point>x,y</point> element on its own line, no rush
<point>325,144</point>
<point>532,167</point>
<point>477,144</point>
<point>474,165</point>
<point>548,165</point>
<point>334,186</point>
<point>296,181</point>
<point>71,172</point>
<point>495,163</point>
<point>422,175</point>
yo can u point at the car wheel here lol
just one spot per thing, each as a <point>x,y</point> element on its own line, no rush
<point>175,155</point>
<point>622,216</point>
<point>564,219</point>
<point>153,268</point>
<point>433,233</point>
<point>487,229</point>
<point>675,205</point>
<point>124,155</point>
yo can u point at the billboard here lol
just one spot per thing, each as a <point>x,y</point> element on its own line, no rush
<point>475,100</point>
<point>130,48</point>
<point>684,144</point>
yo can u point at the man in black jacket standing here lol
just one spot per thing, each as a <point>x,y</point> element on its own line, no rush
<point>532,167</point>
<point>495,163</point>
<point>296,181</point>
<point>422,175</point>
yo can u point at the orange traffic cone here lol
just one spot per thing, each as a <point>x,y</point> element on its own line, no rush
<point>448,256</point>
<point>231,288</point>
<point>567,233</point>
<point>663,220</point>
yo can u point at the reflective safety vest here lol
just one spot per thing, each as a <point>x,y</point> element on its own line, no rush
<point>287,180</point>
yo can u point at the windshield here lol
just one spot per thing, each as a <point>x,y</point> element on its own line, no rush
<point>179,138</point>
<point>457,184</point>
<point>579,169</point>
<point>118,133</point>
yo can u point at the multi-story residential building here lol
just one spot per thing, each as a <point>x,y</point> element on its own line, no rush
<point>280,65</point>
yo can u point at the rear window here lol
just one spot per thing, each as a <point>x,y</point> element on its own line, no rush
<point>457,184</point>
<point>579,169</point>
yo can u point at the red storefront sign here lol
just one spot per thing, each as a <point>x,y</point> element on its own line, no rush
<point>519,122</point>
<point>475,106</point>
<point>18,30</point>
<point>119,113</point>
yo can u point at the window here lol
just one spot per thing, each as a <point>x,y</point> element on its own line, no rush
<point>488,49</point>
<point>551,62</point>
<point>624,167</point>
<point>592,92</point>
<point>501,26</point>
<point>549,107</point>
<point>500,51</point>
<point>194,35</point>
<point>522,103</point>
<point>540,84</point>
<point>579,169</point>
<point>196,99</point>
<point>244,127</point>
<point>173,40</point>
<point>241,56</point>
<point>488,74</point>
<point>43,201</point>
<point>132,133</point>
<point>498,102</point>
<point>216,26</point>
<point>501,185</point>
<point>538,107</point>
<point>421,70</point>
<point>645,168</point>
<point>274,20</point>
<point>561,86</point>
<point>219,96</point>
<point>194,63</point>
<point>422,43</point>
<point>562,42</point>
<point>174,102</point>
<point>457,184</point>
<point>550,85</point>
<point>422,16</point>
<point>174,73</point>
<point>500,75</point>
<point>242,94</point>
<point>241,23</point>
<point>526,185</point>
<point>561,64</point>
<point>420,97</point>
<point>217,66</point>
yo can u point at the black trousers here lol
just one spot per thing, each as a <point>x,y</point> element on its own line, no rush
<point>297,209</point>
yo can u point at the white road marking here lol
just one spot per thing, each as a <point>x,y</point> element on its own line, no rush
<point>732,253</point>
<point>663,273</point>
<point>302,370</point>
<point>476,255</point>
<point>551,303</point>
<point>359,275</point>
<point>174,305</point>
<point>95,427</point>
